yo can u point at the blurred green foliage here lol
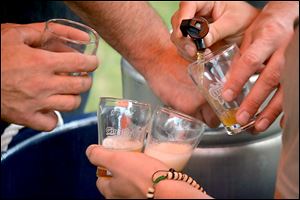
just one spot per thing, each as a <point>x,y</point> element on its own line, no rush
<point>107,78</point>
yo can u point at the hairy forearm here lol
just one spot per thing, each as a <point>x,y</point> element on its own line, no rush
<point>134,29</point>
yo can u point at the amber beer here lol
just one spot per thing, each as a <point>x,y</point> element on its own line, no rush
<point>119,143</point>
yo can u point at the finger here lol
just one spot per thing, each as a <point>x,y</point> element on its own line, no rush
<point>187,10</point>
<point>250,61</point>
<point>70,84</point>
<point>70,62</point>
<point>222,28</point>
<point>42,121</point>
<point>39,26</point>
<point>190,9</point>
<point>62,28</point>
<point>103,185</point>
<point>186,49</point>
<point>270,112</point>
<point>265,84</point>
<point>100,156</point>
<point>63,102</point>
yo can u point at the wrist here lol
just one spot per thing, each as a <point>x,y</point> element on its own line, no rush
<point>172,184</point>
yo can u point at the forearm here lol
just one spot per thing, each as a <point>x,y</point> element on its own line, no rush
<point>134,29</point>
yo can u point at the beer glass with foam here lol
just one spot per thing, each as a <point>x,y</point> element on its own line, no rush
<point>122,125</point>
<point>173,137</point>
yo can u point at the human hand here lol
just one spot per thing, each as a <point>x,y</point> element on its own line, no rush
<point>32,80</point>
<point>168,78</point>
<point>262,51</point>
<point>230,19</point>
<point>133,179</point>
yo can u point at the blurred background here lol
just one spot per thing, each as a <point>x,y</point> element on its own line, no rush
<point>107,79</point>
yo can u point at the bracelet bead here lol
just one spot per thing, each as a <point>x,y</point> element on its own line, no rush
<point>185,177</point>
<point>193,183</point>
<point>175,177</point>
<point>179,176</point>
<point>169,175</point>
<point>150,196</point>
<point>151,189</point>
<point>190,180</point>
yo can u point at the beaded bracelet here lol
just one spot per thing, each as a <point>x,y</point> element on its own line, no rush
<point>171,174</point>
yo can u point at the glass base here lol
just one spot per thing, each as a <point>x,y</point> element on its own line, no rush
<point>237,128</point>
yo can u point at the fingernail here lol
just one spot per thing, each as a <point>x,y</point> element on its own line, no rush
<point>190,50</point>
<point>228,95</point>
<point>243,117</point>
<point>262,124</point>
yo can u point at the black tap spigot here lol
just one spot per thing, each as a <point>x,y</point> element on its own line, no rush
<point>197,29</point>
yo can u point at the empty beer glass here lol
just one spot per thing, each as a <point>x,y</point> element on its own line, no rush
<point>209,75</point>
<point>63,35</point>
<point>173,137</point>
<point>122,125</point>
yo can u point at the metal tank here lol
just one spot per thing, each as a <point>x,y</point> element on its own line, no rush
<point>241,166</point>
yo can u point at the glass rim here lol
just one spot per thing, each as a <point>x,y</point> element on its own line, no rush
<point>57,20</point>
<point>216,53</point>
<point>114,99</point>
<point>180,114</point>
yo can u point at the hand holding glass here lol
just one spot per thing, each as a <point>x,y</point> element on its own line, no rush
<point>63,35</point>
<point>210,75</point>
<point>122,125</point>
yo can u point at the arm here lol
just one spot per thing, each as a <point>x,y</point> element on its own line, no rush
<point>132,33</point>
<point>136,31</point>
<point>287,182</point>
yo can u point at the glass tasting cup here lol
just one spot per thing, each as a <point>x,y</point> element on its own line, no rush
<point>122,125</point>
<point>209,74</point>
<point>173,137</point>
<point>63,35</point>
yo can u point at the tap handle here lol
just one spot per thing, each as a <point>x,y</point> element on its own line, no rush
<point>197,29</point>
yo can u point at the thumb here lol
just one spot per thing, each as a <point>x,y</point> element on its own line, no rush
<point>219,30</point>
<point>100,156</point>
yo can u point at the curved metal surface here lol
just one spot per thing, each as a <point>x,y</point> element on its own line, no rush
<point>243,171</point>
